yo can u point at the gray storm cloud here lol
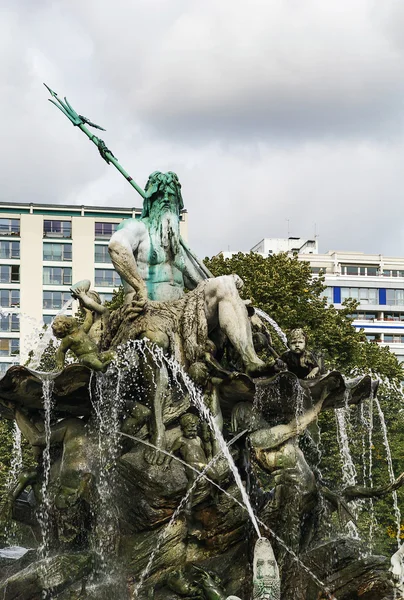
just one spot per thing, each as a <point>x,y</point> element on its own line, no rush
<point>268,110</point>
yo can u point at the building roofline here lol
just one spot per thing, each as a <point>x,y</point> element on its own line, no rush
<point>72,207</point>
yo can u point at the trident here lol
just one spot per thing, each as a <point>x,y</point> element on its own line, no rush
<point>105,153</point>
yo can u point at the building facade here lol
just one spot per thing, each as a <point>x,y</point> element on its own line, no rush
<point>44,249</point>
<point>376,282</point>
<point>268,246</point>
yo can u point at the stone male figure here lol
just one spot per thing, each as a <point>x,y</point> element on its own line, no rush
<point>153,264</point>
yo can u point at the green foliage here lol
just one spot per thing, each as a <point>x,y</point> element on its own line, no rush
<point>118,297</point>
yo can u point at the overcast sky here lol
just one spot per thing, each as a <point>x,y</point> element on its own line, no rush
<point>268,110</point>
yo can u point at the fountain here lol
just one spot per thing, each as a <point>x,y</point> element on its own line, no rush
<point>169,463</point>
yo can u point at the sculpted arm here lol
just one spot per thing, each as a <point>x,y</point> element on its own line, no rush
<point>36,437</point>
<point>88,321</point>
<point>89,303</point>
<point>122,246</point>
<point>61,352</point>
<point>272,437</point>
<point>191,275</point>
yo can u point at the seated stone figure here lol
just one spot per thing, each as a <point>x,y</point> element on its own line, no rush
<point>298,359</point>
<point>154,265</point>
<point>75,338</point>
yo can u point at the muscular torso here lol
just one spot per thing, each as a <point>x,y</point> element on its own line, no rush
<point>287,456</point>
<point>165,273</point>
<point>162,273</point>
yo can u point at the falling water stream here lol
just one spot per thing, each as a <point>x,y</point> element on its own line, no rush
<point>45,507</point>
<point>46,337</point>
<point>349,474</point>
<point>281,334</point>
<point>390,468</point>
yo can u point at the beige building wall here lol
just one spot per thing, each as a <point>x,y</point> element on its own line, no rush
<point>31,227</point>
<point>83,248</point>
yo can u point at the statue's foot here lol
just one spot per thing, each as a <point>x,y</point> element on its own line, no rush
<point>156,456</point>
<point>262,368</point>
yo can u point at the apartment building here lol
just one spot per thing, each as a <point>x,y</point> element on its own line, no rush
<point>44,249</point>
<point>376,282</point>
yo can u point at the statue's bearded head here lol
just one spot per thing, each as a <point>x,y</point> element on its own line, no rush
<point>162,206</point>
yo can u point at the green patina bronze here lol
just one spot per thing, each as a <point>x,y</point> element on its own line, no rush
<point>80,121</point>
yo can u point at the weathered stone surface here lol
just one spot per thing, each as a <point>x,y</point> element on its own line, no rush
<point>24,388</point>
<point>52,574</point>
<point>348,574</point>
<point>149,494</point>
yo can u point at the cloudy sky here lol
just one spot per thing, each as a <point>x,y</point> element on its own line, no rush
<point>269,110</point>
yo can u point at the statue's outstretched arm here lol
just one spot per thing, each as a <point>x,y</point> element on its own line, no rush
<point>273,437</point>
<point>88,302</point>
<point>353,492</point>
<point>36,437</point>
<point>88,321</point>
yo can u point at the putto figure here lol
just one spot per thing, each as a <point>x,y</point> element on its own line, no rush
<point>75,338</point>
<point>298,359</point>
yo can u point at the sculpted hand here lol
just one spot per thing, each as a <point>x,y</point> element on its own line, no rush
<point>78,293</point>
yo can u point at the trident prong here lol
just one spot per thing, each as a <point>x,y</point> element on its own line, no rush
<point>69,111</point>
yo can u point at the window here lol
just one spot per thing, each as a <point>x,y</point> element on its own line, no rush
<point>9,298</point>
<point>363,295</point>
<point>9,249</point>
<point>369,271</point>
<point>392,273</point>
<point>10,323</point>
<point>328,294</point>
<point>394,316</point>
<point>373,337</point>
<point>57,275</point>
<point>101,254</point>
<point>9,274</point>
<point>9,226</point>
<point>9,347</point>
<point>105,230</point>
<point>393,339</point>
<point>107,277</point>
<point>394,297</point>
<point>362,316</point>
<point>57,251</point>
<point>59,229</point>
<point>55,300</point>
<point>317,270</point>
<point>4,366</point>
<point>105,298</point>
<point>47,319</point>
